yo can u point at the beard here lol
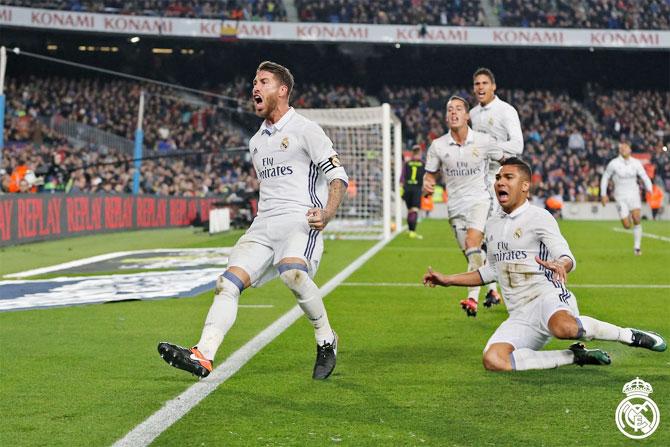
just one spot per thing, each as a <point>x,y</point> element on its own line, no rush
<point>270,106</point>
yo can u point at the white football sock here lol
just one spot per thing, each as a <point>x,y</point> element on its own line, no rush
<point>221,316</point>
<point>637,236</point>
<point>524,359</point>
<point>310,301</point>
<point>475,260</point>
<point>590,329</point>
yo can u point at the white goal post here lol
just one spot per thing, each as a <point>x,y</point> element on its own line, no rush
<point>368,141</point>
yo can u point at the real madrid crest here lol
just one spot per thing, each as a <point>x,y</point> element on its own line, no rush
<point>475,152</point>
<point>491,121</point>
<point>637,416</point>
<point>284,143</point>
<point>517,233</point>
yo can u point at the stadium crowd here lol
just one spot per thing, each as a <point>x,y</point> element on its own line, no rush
<point>567,141</point>
<point>603,14</point>
<point>414,12</point>
<point>266,10</point>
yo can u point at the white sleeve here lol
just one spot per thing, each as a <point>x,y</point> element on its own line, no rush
<point>494,149</point>
<point>549,234</point>
<point>604,181</point>
<point>432,160</point>
<point>320,150</point>
<point>643,175</point>
<point>488,271</point>
<point>514,145</point>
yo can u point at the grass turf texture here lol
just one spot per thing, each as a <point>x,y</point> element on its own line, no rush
<point>409,368</point>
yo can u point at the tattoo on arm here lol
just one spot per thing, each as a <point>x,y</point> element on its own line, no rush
<point>336,190</point>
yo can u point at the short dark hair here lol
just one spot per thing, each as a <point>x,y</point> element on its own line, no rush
<point>282,73</point>
<point>520,165</point>
<point>484,71</point>
<point>460,98</point>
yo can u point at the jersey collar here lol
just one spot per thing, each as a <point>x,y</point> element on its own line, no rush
<point>468,140</point>
<point>489,105</point>
<point>519,210</point>
<point>270,128</point>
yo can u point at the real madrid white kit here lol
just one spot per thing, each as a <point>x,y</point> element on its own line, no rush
<point>294,161</point>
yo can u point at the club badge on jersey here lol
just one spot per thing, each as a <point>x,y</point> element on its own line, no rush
<point>284,144</point>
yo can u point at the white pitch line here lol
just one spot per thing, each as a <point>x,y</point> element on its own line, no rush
<point>570,286</point>
<point>106,257</point>
<point>175,409</point>
<point>644,234</point>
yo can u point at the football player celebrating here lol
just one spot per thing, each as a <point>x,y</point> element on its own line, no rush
<point>530,259</point>
<point>299,171</point>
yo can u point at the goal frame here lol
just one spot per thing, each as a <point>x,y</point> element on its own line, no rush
<point>391,153</point>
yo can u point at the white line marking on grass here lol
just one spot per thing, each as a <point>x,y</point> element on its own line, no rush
<point>175,409</point>
<point>644,234</point>
<point>106,257</point>
<point>570,286</point>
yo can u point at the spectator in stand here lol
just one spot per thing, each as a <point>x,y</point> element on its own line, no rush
<point>608,14</point>
<point>268,10</point>
<point>427,12</point>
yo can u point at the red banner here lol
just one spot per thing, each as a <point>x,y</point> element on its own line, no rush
<point>38,217</point>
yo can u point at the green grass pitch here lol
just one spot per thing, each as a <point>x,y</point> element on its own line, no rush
<point>409,366</point>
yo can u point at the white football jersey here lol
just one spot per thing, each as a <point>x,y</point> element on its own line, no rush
<point>624,174</point>
<point>500,120</point>
<point>463,167</point>
<point>513,240</point>
<point>294,161</point>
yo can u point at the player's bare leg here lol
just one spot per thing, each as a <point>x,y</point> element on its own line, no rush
<point>293,272</point>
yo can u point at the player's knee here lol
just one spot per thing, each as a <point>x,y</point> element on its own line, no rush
<point>626,224</point>
<point>564,329</point>
<point>475,258</point>
<point>228,284</point>
<point>294,276</point>
<point>494,361</point>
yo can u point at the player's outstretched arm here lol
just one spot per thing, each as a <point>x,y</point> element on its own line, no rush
<point>318,218</point>
<point>470,279</point>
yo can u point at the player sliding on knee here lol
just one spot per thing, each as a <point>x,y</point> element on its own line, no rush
<point>530,259</point>
<point>297,168</point>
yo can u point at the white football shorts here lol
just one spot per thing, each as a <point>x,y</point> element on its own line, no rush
<point>528,326</point>
<point>473,217</point>
<point>269,240</point>
<point>626,204</point>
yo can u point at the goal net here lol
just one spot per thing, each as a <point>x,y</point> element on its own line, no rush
<point>368,142</point>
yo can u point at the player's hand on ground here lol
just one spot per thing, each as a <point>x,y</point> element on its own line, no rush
<point>432,278</point>
<point>604,200</point>
<point>317,218</point>
<point>557,269</point>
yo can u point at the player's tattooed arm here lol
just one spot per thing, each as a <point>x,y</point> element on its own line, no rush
<point>318,218</point>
